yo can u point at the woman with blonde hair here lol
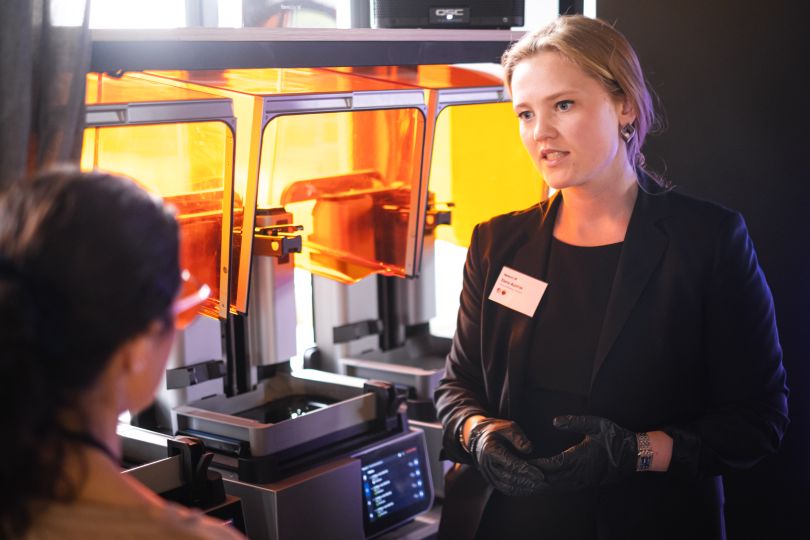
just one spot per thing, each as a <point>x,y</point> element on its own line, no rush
<point>616,349</point>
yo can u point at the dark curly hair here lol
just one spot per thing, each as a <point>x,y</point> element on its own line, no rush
<point>87,261</point>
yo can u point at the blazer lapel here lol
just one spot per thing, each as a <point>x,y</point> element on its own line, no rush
<point>644,246</point>
<point>531,257</point>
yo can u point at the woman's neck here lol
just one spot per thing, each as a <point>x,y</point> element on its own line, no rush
<point>95,422</point>
<point>590,217</point>
<point>98,480</point>
<point>94,466</point>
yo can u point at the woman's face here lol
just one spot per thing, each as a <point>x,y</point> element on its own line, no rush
<point>569,123</point>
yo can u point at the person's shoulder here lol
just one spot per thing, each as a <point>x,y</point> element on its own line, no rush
<point>694,225</point>
<point>682,206</point>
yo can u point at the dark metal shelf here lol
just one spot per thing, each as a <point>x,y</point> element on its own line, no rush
<point>222,48</point>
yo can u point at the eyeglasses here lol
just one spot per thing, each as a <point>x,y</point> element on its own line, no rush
<point>187,305</point>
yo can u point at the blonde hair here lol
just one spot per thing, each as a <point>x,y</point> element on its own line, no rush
<point>603,53</point>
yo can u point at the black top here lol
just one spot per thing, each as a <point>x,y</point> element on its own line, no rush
<point>688,345</point>
<point>567,325</point>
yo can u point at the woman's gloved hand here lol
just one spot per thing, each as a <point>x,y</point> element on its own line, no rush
<point>608,452</point>
<point>500,449</point>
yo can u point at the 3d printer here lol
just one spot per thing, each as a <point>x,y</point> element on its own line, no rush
<point>281,439</point>
<point>475,154</point>
<point>323,169</point>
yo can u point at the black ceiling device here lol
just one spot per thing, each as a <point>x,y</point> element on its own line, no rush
<point>447,13</point>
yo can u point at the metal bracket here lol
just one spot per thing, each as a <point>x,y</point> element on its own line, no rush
<point>186,376</point>
<point>439,214</point>
<point>202,487</point>
<point>277,240</point>
<point>352,331</point>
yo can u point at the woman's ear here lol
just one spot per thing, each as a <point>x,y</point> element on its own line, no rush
<point>138,351</point>
<point>141,362</point>
<point>132,354</point>
<point>626,112</point>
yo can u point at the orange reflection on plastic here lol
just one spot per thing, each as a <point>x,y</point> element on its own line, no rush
<point>186,164</point>
<point>347,235</point>
<point>277,81</point>
<point>427,76</point>
<point>354,200</point>
<point>200,218</point>
<point>102,89</point>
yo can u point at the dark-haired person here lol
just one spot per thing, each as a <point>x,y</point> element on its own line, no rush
<point>90,290</point>
<point>616,349</point>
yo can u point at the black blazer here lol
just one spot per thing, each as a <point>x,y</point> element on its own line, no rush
<point>689,345</point>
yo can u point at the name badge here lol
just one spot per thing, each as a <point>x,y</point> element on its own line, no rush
<point>518,291</point>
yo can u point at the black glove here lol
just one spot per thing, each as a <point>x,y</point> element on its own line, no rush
<point>608,453</point>
<point>497,448</point>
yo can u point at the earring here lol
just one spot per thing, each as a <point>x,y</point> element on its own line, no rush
<point>628,132</point>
